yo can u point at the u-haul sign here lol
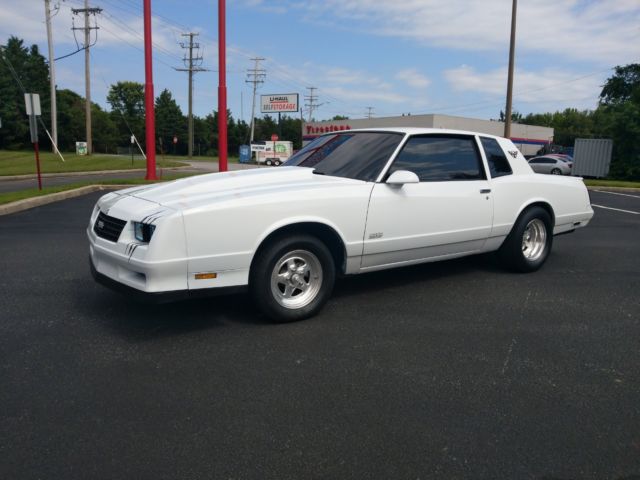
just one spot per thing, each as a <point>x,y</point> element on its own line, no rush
<point>280,102</point>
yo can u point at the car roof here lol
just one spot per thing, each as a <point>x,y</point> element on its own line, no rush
<point>417,131</point>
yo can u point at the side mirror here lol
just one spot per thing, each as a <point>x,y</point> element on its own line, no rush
<point>400,177</point>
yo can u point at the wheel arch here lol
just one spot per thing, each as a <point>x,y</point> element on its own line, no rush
<point>544,204</point>
<point>324,232</point>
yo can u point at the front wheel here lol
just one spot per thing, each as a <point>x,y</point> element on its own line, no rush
<point>292,278</point>
<point>529,243</point>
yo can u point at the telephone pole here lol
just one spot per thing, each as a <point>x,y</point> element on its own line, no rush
<point>87,77</point>
<point>512,49</point>
<point>369,112</point>
<point>52,75</point>
<point>311,101</point>
<point>192,64</point>
<point>256,76</point>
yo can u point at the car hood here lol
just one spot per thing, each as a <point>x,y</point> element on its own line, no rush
<point>203,190</point>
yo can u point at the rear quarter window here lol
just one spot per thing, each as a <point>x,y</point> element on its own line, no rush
<point>499,165</point>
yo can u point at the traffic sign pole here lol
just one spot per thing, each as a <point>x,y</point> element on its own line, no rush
<point>37,150</point>
<point>32,104</point>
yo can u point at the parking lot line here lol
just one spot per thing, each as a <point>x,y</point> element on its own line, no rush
<point>616,209</point>
<point>617,193</point>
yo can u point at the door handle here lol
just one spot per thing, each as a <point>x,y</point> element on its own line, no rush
<point>485,190</point>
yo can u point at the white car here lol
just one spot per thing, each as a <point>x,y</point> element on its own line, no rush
<point>350,202</point>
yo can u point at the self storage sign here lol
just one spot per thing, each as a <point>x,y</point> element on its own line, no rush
<point>281,102</point>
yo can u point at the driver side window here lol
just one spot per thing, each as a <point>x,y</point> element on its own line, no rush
<point>440,158</point>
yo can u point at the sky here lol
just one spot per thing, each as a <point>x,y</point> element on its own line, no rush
<point>410,56</point>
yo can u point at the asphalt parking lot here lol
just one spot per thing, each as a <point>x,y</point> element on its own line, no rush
<point>448,370</point>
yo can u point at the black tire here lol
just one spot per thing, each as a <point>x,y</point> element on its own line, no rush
<point>556,171</point>
<point>513,254</point>
<point>265,293</point>
<point>277,163</point>
<point>268,163</point>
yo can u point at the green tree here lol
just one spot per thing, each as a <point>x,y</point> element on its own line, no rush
<point>127,106</point>
<point>623,86</point>
<point>32,71</point>
<point>618,117</point>
<point>169,123</point>
<point>71,116</point>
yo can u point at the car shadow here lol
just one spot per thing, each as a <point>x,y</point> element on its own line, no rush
<point>406,276</point>
<point>141,321</point>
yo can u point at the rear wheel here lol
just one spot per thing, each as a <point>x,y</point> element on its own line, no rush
<point>292,278</point>
<point>529,243</point>
<point>277,163</point>
<point>268,162</point>
<point>556,171</point>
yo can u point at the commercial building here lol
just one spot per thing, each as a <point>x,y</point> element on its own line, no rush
<point>528,138</point>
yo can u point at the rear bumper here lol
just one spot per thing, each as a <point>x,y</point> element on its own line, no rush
<point>160,297</point>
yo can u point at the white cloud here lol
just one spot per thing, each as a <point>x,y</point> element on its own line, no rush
<point>560,88</point>
<point>413,78</point>
<point>604,32</point>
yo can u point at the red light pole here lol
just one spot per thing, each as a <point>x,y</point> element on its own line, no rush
<point>222,88</point>
<point>150,116</point>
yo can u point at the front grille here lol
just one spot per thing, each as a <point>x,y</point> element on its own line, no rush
<point>108,227</point>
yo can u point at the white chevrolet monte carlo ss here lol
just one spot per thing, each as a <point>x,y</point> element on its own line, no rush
<point>349,202</point>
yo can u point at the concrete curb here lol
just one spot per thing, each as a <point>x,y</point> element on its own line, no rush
<point>81,174</point>
<point>616,189</point>
<point>27,203</point>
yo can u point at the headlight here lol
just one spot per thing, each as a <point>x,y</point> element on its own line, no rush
<point>143,231</point>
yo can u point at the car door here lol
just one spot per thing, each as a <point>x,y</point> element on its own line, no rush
<point>448,213</point>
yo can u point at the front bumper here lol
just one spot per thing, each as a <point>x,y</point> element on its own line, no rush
<point>160,297</point>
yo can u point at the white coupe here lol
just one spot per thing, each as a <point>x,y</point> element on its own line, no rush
<point>349,202</point>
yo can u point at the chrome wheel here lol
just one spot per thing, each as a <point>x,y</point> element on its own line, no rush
<point>556,171</point>
<point>296,279</point>
<point>534,240</point>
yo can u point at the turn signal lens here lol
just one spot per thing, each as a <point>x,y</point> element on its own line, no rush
<point>206,276</point>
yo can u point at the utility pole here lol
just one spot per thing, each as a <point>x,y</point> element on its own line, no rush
<point>312,101</point>
<point>52,75</point>
<point>369,112</point>
<point>256,76</point>
<point>87,77</point>
<point>192,64</point>
<point>512,49</point>
<point>222,86</point>
<point>149,108</point>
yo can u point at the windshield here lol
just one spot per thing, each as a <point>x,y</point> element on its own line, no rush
<point>357,155</point>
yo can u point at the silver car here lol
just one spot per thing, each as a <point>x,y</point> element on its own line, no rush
<point>550,164</point>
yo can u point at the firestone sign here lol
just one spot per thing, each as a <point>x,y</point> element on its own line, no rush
<point>311,130</point>
<point>281,102</point>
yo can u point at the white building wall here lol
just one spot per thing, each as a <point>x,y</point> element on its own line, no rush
<point>528,138</point>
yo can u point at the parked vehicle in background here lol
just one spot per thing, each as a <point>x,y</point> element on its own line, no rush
<point>550,164</point>
<point>348,203</point>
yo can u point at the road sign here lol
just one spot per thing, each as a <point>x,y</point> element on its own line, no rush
<point>281,102</point>
<point>32,104</point>
<point>274,137</point>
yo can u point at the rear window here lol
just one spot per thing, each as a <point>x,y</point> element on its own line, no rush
<point>498,163</point>
<point>357,155</point>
